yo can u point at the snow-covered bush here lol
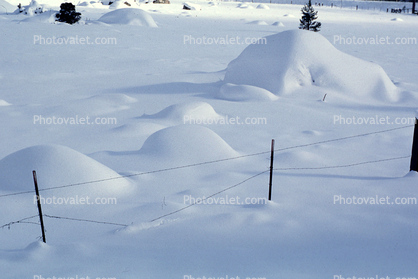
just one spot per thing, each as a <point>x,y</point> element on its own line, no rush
<point>33,8</point>
<point>68,14</point>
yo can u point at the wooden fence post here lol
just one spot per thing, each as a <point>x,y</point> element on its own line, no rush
<point>414,157</point>
<point>271,168</point>
<point>35,181</point>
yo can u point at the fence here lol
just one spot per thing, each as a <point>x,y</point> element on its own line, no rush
<point>385,6</point>
<point>414,167</point>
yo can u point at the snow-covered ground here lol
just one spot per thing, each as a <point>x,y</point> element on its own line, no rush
<point>183,107</point>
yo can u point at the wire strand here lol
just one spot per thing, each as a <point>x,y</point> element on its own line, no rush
<point>205,163</point>
<point>205,198</point>
<point>85,220</point>
<point>343,166</point>
<point>21,221</point>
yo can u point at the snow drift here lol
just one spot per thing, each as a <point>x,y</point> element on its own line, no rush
<point>186,112</point>
<point>6,7</point>
<point>233,92</point>
<point>56,166</point>
<point>294,59</point>
<point>129,16</point>
<point>188,143</point>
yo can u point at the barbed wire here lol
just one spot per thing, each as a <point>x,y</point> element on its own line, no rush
<point>125,225</point>
<point>210,196</point>
<point>205,163</point>
<point>21,221</point>
<point>84,220</point>
<point>342,166</point>
<point>204,198</point>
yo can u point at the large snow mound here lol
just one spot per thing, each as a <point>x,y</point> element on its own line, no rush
<point>129,16</point>
<point>294,59</point>
<point>188,143</point>
<point>189,112</point>
<point>6,7</point>
<point>57,166</point>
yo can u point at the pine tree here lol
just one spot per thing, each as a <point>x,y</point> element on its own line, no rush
<point>68,14</point>
<point>309,15</point>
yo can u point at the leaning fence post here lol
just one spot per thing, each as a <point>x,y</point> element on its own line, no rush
<point>414,156</point>
<point>271,168</point>
<point>35,181</point>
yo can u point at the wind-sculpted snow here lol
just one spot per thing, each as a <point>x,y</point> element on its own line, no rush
<point>298,59</point>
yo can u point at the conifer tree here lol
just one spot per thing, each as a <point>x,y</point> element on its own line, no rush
<point>68,14</point>
<point>309,15</point>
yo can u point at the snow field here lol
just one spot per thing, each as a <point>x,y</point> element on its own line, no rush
<point>151,81</point>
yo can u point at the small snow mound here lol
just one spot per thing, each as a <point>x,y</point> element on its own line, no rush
<point>132,229</point>
<point>297,59</point>
<point>46,17</point>
<point>85,4</point>
<point>56,166</point>
<point>258,22</point>
<point>186,112</point>
<point>97,105</point>
<point>289,15</point>
<point>129,16</point>
<point>121,4</point>
<point>188,144</point>
<point>191,6</point>
<point>3,103</point>
<point>233,92</point>
<point>278,23</point>
<point>396,19</point>
<point>244,6</point>
<point>411,175</point>
<point>263,7</point>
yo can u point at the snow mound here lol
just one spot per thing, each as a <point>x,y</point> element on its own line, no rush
<point>233,92</point>
<point>258,22</point>
<point>296,59</point>
<point>6,7</point>
<point>278,23</point>
<point>263,7</point>
<point>56,166</point>
<point>186,112</point>
<point>396,19</point>
<point>191,6</point>
<point>121,4</point>
<point>3,103</point>
<point>289,15</point>
<point>244,6</point>
<point>46,17</point>
<point>129,16</point>
<point>98,105</point>
<point>187,143</point>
